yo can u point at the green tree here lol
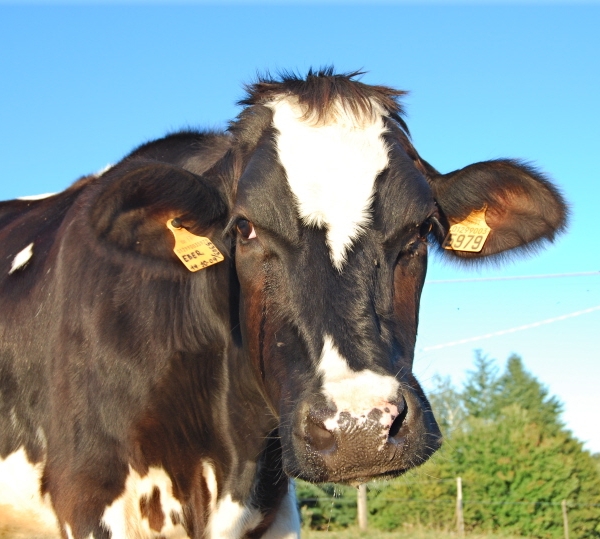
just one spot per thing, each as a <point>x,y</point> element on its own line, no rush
<point>515,457</point>
<point>424,497</point>
<point>516,473</point>
<point>326,506</point>
<point>517,386</point>
<point>447,405</point>
<point>480,391</point>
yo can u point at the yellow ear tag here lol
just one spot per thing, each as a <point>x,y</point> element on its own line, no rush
<point>196,252</point>
<point>468,235</point>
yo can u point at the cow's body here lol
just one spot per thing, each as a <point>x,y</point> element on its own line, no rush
<point>138,399</point>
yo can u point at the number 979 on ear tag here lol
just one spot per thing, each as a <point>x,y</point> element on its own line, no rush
<point>196,252</point>
<point>468,235</point>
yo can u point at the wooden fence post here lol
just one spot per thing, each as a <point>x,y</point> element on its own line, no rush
<point>563,504</point>
<point>361,507</point>
<point>460,522</point>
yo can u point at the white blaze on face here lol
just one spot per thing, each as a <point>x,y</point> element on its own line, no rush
<point>21,259</point>
<point>355,392</point>
<point>331,169</point>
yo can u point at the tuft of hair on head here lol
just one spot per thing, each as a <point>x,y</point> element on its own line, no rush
<point>322,91</point>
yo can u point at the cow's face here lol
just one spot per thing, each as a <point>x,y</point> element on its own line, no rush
<point>332,214</point>
<point>331,220</point>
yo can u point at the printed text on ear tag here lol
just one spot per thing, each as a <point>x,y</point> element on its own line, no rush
<point>468,235</point>
<point>196,252</point>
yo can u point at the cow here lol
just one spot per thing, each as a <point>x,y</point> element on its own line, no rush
<point>221,312</point>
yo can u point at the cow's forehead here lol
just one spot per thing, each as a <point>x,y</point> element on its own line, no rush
<point>331,167</point>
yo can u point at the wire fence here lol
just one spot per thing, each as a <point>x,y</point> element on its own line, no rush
<point>360,502</point>
<point>350,501</point>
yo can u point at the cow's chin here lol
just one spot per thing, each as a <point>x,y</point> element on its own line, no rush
<point>316,469</point>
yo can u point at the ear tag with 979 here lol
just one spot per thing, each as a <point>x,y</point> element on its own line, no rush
<point>468,235</point>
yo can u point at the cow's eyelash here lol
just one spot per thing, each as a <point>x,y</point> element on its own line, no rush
<point>233,228</point>
<point>422,233</point>
<point>230,229</point>
<point>431,226</point>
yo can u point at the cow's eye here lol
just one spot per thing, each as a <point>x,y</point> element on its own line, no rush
<point>245,229</point>
<point>425,228</point>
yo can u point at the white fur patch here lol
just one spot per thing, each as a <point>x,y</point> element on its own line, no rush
<point>331,169</point>
<point>124,516</point>
<point>104,169</point>
<point>14,420</point>
<point>36,197</point>
<point>287,521</point>
<point>69,533</point>
<point>210,478</point>
<point>22,507</point>
<point>21,259</point>
<point>41,438</point>
<point>232,520</point>
<point>355,392</point>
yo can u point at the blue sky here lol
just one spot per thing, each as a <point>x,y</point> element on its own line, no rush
<point>81,85</point>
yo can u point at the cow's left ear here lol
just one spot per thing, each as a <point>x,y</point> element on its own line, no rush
<point>133,202</point>
<point>522,208</point>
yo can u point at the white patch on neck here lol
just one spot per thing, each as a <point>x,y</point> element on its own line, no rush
<point>21,259</point>
<point>331,168</point>
<point>22,507</point>
<point>210,478</point>
<point>355,392</point>
<point>69,533</point>
<point>123,518</point>
<point>287,520</point>
<point>36,197</point>
<point>232,520</point>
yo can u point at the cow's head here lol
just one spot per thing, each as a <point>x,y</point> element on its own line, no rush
<point>333,215</point>
<point>328,213</point>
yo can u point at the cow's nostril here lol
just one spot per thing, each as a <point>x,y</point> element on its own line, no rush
<point>397,424</point>
<point>319,437</point>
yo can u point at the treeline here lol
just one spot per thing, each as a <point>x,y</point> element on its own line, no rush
<point>504,437</point>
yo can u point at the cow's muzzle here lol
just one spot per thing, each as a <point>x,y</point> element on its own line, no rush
<point>353,447</point>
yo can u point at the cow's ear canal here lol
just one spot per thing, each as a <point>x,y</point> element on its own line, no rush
<point>496,207</point>
<point>133,204</point>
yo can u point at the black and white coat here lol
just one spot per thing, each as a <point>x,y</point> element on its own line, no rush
<point>138,399</point>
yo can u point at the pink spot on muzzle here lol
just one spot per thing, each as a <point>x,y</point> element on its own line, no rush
<point>389,412</point>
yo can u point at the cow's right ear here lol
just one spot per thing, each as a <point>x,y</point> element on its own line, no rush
<point>522,208</point>
<point>134,200</point>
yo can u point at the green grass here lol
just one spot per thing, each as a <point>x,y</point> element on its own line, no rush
<point>409,533</point>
